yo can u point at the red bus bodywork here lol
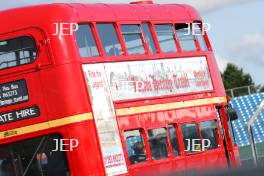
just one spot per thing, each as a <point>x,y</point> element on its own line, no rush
<point>56,84</point>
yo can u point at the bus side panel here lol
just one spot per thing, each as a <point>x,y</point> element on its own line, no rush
<point>65,89</point>
<point>151,120</point>
<point>196,162</point>
<point>215,159</point>
<point>34,92</point>
<point>86,158</point>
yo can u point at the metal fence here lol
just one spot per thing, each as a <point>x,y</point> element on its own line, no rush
<point>242,91</point>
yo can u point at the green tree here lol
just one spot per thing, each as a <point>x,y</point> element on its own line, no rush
<point>234,77</point>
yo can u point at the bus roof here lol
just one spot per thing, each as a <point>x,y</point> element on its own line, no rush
<point>32,16</point>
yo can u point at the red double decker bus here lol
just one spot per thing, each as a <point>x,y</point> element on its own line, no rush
<point>100,89</point>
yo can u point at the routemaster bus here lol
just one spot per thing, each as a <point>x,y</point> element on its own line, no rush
<point>110,89</point>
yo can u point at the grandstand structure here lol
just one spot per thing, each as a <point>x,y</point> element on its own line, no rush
<point>245,107</point>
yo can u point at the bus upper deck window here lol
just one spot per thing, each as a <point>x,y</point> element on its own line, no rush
<point>186,38</point>
<point>109,40</point>
<point>158,143</point>
<point>200,36</point>
<point>17,51</point>
<point>86,42</point>
<point>166,37</point>
<point>133,39</point>
<point>149,38</point>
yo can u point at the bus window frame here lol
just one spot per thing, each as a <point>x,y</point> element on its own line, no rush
<point>146,145</point>
<point>197,123</point>
<point>174,36</point>
<point>154,127</point>
<point>178,139</point>
<point>140,57</point>
<point>142,132</point>
<point>208,43</point>
<point>205,36</point>
<point>218,132</point>
<point>117,29</point>
<point>154,35</point>
<point>42,50</point>
<point>144,42</point>
<point>96,39</point>
<point>196,42</point>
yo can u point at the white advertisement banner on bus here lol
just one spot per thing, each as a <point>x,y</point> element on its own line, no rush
<point>141,79</point>
<point>105,119</point>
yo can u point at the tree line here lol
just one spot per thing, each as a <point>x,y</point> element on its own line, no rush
<point>242,83</point>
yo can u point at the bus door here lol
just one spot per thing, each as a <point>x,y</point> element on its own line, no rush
<point>227,140</point>
<point>105,119</point>
<point>194,157</point>
<point>213,151</point>
<point>189,128</point>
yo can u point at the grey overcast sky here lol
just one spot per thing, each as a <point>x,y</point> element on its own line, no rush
<point>237,35</point>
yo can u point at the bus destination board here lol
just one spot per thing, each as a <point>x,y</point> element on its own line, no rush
<point>13,93</point>
<point>21,114</point>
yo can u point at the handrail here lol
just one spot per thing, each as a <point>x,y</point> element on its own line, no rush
<point>250,132</point>
<point>249,90</point>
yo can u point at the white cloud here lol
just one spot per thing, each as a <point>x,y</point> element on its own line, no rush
<point>221,62</point>
<point>248,40</point>
<point>209,5</point>
<point>248,48</point>
<point>201,5</point>
<point>247,52</point>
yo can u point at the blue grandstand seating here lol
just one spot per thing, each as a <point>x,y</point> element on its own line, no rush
<point>245,107</point>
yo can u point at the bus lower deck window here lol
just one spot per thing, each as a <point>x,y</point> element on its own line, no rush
<point>33,157</point>
<point>166,37</point>
<point>209,133</point>
<point>191,137</point>
<point>86,42</point>
<point>133,39</point>
<point>158,143</point>
<point>173,140</point>
<point>109,39</point>
<point>135,146</point>
<point>17,51</point>
<point>186,37</point>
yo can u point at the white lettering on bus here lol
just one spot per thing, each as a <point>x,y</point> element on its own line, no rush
<point>26,113</point>
<point>9,94</point>
<point>6,117</point>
